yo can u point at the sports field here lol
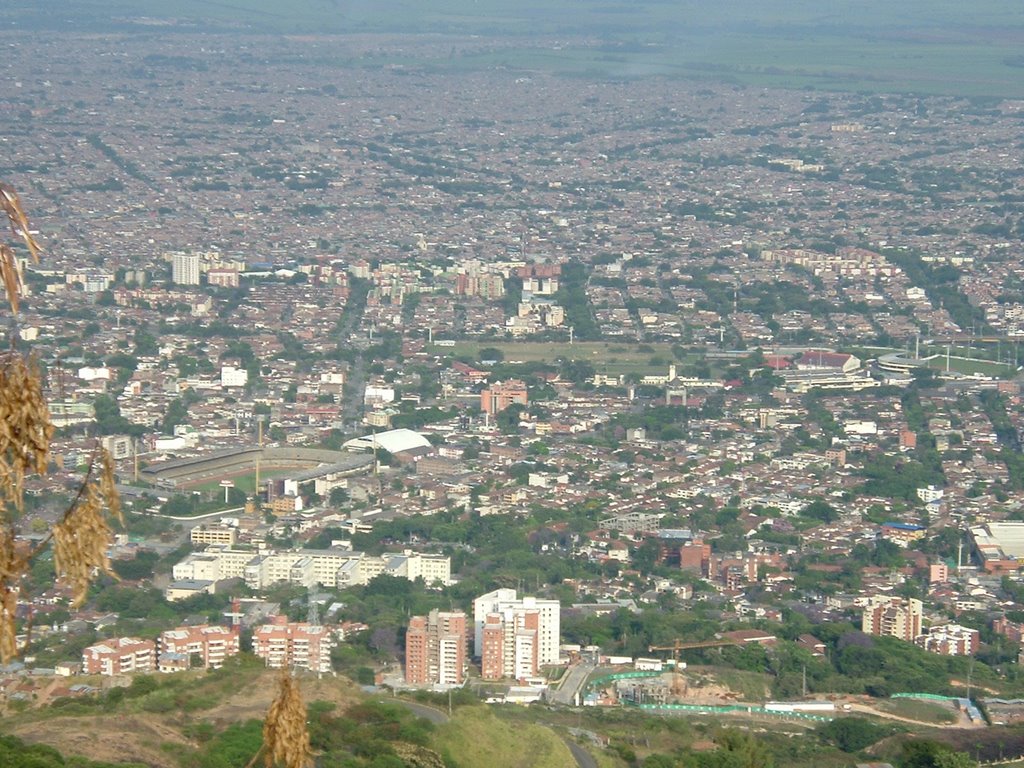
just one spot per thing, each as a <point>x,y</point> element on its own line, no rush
<point>606,357</point>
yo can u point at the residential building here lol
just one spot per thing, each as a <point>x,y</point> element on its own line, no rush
<point>185,268</point>
<point>207,645</point>
<point>1011,630</point>
<point>230,376</point>
<point>511,644</point>
<point>502,601</point>
<point>225,535</point>
<point>294,644</point>
<point>892,617</point>
<point>119,656</point>
<point>501,395</point>
<point>435,648</point>
<point>950,640</point>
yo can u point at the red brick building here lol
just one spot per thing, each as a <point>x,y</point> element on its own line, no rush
<point>435,648</point>
<point>119,656</point>
<point>207,645</point>
<point>294,644</point>
<point>501,395</point>
<point>511,645</point>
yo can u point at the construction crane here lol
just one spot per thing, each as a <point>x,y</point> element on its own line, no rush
<point>678,686</point>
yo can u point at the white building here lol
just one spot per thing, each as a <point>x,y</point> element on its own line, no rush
<point>233,377</point>
<point>185,268</point>
<point>505,602</point>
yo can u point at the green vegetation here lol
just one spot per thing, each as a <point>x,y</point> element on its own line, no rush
<point>852,734</point>
<point>605,357</point>
<point>916,709</point>
<point>477,737</point>
<point>14,753</point>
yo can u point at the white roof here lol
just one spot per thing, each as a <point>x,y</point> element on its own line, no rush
<point>392,441</point>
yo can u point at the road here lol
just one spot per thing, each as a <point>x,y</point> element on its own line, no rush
<point>199,518</point>
<point>583,758</point>
<point>431,714</point>
<point>566,695</point>
<point>962,720</point>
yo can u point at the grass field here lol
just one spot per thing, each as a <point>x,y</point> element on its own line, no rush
<point>606,357</point>
<point>245,483</point>
<point>480,738</point>
<point>922,711</point>
<point>971,366</point>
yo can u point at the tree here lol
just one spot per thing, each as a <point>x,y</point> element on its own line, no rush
<point>851,734</point>
<point>820,510</point>
<point>508,419</point>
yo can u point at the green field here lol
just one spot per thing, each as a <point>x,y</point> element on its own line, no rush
<point>479,738</point>
<point>606,357</point>
<point>922,711</point>
<point>971,366</point>
<point>245,483</point>
<point>918,46</point>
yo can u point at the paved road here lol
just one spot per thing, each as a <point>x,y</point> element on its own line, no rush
<point>200,518</point>
<point>583,758</point>
<point>572,684</point>
<point>432,714</point>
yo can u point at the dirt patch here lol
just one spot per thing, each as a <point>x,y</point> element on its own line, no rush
<point>109,738</point>
<point>253,700</point>
<point>156,739</point>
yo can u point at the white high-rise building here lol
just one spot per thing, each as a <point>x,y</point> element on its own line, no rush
<point>185,269</point>
<point>505,601</point>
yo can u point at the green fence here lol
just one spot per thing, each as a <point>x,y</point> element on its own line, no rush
<point>927,696</point>
<point>710,709</point>
<point>599,681</point>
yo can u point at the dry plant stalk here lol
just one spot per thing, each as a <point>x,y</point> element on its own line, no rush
<point>81,539</point>
<point>25,428</point>
<point>285,736</point>
<point>83,534</point>
<point>13,566</point>
<point>10,269</point>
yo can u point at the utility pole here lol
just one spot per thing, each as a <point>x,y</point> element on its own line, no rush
<point>970,670</point>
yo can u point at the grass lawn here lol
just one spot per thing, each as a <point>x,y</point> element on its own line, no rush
<point>476,737</point>
<point>605,356</point>
<point>971,366</point>
<point>245,483</point>
<point>916,709</point>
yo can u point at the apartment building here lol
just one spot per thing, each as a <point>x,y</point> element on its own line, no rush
<point>511,644</point>
<point>501,395</point>
<point>224,535</point>
<point>119,656</point>
<point>505,602</point>
<point>294,644</point>
<point>892,617</point>
<point>435,648</point>
<point>207,645</point>
<point>950,640</point>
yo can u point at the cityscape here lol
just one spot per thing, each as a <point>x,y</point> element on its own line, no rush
<point>522,416</point>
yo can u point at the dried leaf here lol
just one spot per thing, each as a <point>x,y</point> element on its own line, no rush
<point>80,543</point>
<point>11,205</point>
<point>285,736</point>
